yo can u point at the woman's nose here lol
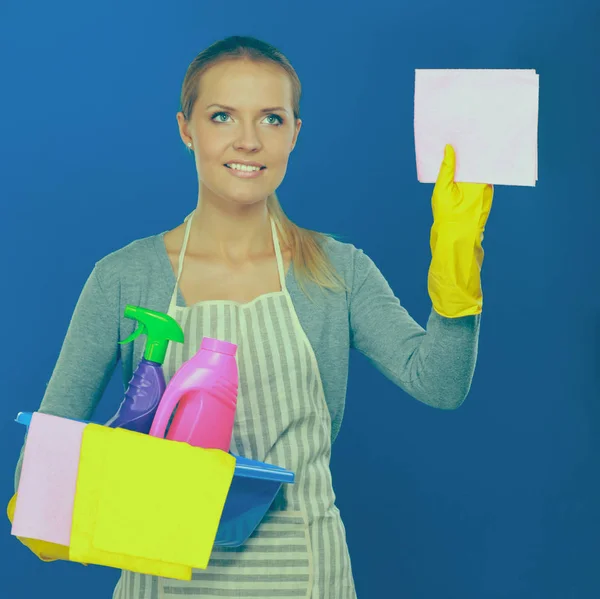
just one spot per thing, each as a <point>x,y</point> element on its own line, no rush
<point>248,139</point>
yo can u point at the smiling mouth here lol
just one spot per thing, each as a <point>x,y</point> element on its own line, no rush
<point>245,169</point>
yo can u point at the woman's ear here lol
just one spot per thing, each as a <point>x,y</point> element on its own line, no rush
<point>296,132</point>
<point>183,128</point>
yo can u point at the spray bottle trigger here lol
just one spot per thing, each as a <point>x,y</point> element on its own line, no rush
<point>141,329</point>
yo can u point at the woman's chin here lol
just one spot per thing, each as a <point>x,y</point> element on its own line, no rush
<point>246,199</point>
<point>236,195</point>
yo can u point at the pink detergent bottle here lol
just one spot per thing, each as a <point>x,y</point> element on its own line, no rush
<point>204,391</point>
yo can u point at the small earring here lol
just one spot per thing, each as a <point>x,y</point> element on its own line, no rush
<point>189,144</point>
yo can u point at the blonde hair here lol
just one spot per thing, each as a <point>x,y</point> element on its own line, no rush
<point>309,261</point>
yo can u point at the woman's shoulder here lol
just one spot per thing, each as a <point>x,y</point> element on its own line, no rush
<point>342,254</point>
<point>132,262</point>
<point>335,245</point>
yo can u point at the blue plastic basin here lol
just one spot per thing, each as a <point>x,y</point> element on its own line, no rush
<point>253,489</point>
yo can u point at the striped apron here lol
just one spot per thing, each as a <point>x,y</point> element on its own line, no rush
<point>282,418</point>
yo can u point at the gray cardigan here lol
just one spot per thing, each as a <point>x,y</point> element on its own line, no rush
<point>434,366</point>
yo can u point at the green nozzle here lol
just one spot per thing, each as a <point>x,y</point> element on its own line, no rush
<point>160,328</point>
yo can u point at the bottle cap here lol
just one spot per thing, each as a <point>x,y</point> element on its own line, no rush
<point>222,347</point>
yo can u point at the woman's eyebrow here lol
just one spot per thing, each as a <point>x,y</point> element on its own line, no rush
<point>231,109</point>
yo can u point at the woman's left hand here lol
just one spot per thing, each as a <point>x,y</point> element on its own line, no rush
<point>460,213</point>
<point>466,204</point>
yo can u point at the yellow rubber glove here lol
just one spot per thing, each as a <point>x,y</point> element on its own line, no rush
<point>460,213</point>
<point>47,552</point>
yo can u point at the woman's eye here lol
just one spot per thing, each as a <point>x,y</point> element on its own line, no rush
<point>278,119</point>
<point>221,117</point>
<point>216,117</point>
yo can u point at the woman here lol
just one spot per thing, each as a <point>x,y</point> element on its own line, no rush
<point>293,300</point>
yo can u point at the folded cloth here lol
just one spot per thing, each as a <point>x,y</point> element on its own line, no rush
<point>47,552</point>
<point>489,116</point>
<point>147,505</point>
<point>44,504</point>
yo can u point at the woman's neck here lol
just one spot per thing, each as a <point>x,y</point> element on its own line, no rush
<point>232,233</point>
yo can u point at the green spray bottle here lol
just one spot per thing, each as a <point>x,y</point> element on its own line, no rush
<point>147,384</point>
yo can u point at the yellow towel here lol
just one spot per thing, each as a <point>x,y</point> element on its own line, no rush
<point>147,505</point>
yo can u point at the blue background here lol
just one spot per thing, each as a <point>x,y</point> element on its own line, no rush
<point>497,499</point>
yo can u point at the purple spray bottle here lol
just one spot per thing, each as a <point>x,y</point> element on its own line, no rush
<point>147,384</point>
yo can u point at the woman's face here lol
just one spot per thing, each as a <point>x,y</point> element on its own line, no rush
<point>243,114</point>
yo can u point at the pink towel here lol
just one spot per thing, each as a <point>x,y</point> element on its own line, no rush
<point>46,492</point>
<point>489,116</point>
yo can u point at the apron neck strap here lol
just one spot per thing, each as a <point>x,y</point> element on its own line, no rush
<point>280,267</point>
<point>186,238</point>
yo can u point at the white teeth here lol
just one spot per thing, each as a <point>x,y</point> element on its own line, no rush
<point>243,167</point>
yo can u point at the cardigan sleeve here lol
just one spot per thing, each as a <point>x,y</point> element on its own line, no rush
<point>434,365</point>
<point>88,357</point>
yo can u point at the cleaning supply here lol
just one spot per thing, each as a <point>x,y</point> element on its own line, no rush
<point>147,384</point>
<point>204,392</point>
<point>489,116</point>
<point>253,489</point>
<point>47,552</point>
<point>147,505</point>
<point>44,504</point>
<point>460,213</point>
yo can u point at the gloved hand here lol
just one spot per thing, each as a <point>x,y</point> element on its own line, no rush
<point>460,213</point>
<point>47,552</point>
